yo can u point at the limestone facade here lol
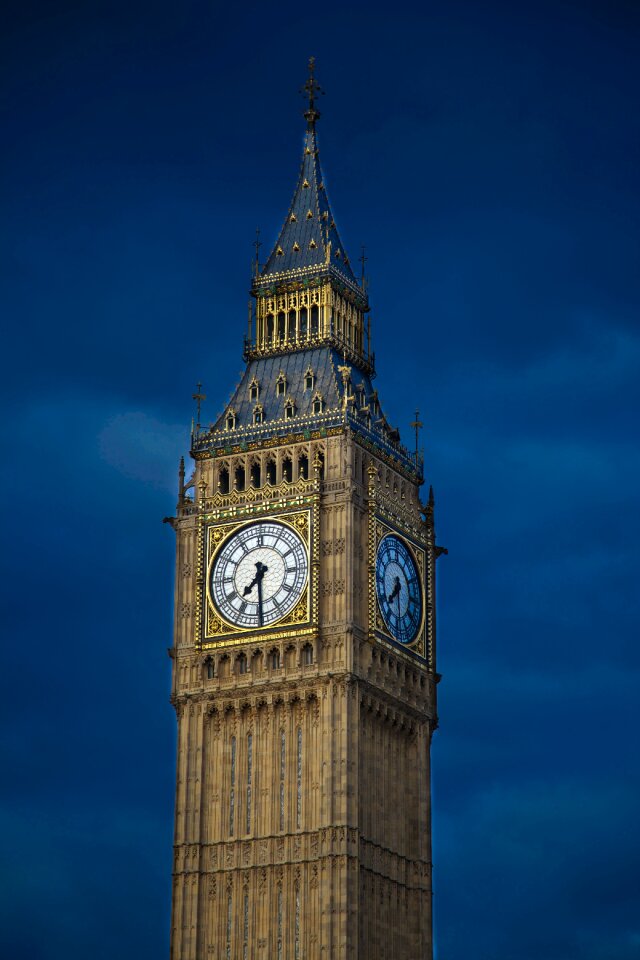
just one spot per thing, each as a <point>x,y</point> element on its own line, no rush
<point>303,814</point>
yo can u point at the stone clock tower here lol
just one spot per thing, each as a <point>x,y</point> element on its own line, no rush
<point>304,677</point>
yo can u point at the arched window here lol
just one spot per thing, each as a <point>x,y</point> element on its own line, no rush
<point>289,409</point>
<point>241,663</point>
<point>223,481</point>
<point>303,467</point>
<point>309,379</point>
<point>281,326</point>
<point>318,403</point>
<point>274,659</point>
<point>210,670</point>
<point>271,472</point>
<point>287,470</point>
<point>256,662</point>
<point>314,320</point>
<point>303,321</point>
<point>256,478</point>
<point>281,385</point>
<point>270,327</point>
<point>240,478</point>
<point>291,333</point>
<point>258,414</point>
<point>254,390</point>
<point>290,657</point>
<point>231,420</point>
<point>307,655</point>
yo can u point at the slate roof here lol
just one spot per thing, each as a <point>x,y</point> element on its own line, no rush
<point>316,236</point>
<point>322,360</point>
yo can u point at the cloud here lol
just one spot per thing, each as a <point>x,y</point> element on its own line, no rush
<point>143,448</point>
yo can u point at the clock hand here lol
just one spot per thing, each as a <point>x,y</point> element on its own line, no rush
<point>260,615</point>
<point>396,591</point>
<point>261,569</point>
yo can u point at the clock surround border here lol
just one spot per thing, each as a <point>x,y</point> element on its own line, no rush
<point>380,525</point>
<point>233,635</point>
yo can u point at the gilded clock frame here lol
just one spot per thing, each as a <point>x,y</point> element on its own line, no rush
<point>214,630</point>
<point>380,528</point>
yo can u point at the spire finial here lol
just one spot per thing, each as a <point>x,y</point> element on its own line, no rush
<point>257,244</point>
<point>199,396</point>
<point>363,260</point>
<point>311,90</point>
<point>417,425</point>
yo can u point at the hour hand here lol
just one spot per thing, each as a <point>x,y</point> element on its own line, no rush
<point>396,590</point>
<point>261,569</point>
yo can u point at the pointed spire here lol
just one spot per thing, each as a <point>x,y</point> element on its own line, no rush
<point>309,237</point>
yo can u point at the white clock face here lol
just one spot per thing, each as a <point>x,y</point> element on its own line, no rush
<point>259,574</point>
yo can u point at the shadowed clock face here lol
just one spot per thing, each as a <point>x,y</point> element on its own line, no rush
<point>259,574</point>
<point>398,589</point>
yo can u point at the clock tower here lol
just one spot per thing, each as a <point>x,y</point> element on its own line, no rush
<point>304,675</point>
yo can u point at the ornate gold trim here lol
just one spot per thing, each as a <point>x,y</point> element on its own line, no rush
<point>378,530</point>
<point>213,535</point>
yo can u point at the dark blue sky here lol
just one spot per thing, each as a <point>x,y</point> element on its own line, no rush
<point>488,156</point>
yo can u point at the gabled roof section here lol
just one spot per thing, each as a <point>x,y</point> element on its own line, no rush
<point>309,237</point>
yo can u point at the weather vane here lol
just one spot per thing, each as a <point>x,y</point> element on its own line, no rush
<point>417,426</point>
<point>199,396</point>
<point>311,90</point>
